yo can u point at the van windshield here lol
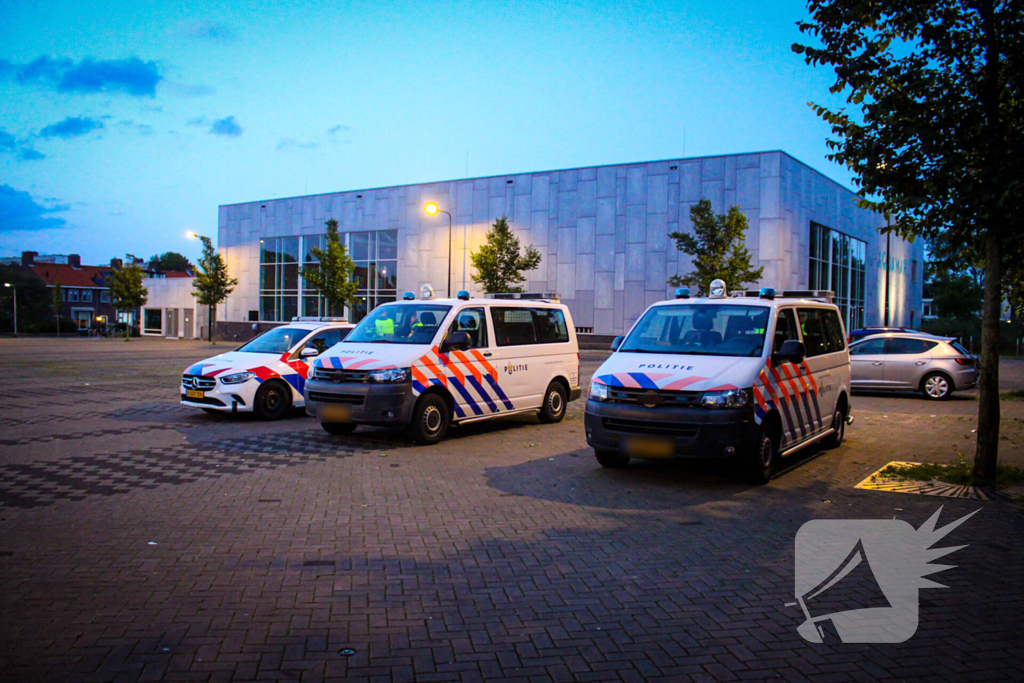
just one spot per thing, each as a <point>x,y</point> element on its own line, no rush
<point>399,324</point>
<point>700,330</point>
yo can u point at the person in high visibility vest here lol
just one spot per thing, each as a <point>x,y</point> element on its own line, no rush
<point>385,325</point>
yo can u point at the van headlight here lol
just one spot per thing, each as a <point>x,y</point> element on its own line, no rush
<point>237,378</point>
<point>598,392</point>
<point>392,376</point>
<point>730,398</point>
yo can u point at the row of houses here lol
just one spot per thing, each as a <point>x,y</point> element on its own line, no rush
<point>86,299</point>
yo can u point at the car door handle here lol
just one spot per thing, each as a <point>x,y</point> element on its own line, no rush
<point>487,354</point>
<point>877,363</point>
<point>921,362</point>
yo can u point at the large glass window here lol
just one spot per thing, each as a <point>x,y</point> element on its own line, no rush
<point>284,293</point>
<point>837,263</point>
<point>153,320</point>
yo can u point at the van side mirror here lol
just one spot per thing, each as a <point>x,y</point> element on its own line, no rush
<point>456,341</point>
<point>309,352</point>
<point>617,342</point>
<point>792,351</point>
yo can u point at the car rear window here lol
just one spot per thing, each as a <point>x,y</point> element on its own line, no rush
<point>960,347</point>
<point>904,347</point>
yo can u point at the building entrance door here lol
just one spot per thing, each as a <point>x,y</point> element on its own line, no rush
<point>187,326</point>
<point>171,324</point>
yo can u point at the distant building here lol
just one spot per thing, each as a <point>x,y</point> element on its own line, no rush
<point>171,310</point>
<point>602,232</point>
<point>85,290</point>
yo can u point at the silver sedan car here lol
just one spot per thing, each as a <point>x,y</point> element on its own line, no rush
<point>904,361</point>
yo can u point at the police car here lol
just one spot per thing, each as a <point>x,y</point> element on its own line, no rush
<point>423,364</point>
<point>265,376</point>
<point>755,376</point>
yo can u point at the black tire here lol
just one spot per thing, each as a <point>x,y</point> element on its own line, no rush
<point>611,459</point>
<point>936,386</point>
<point>553,408</point>
<point>835,440</point>
<point>273,401</point>
<point>339,428</point>
<point>763,458</point>
<point>430,420</point>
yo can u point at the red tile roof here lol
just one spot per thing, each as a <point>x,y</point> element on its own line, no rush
<point>69,276</point>
<point>176,273</point>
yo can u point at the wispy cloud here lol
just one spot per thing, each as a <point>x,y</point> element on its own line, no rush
<point>18,211</point>
<point>292,143</point>
<point>340,128</point>
<point>188,89</point>
<point>227,127</point>
<point>71,127</point>
<point>211,31</point>
<point>131,75</point>
<point>9,145</point>
<point>140,128</point>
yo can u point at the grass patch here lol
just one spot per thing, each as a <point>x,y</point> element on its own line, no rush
<point>960,473</point>
<point>1015,395</point>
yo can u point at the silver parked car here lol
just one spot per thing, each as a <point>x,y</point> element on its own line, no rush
<point>909,361</point>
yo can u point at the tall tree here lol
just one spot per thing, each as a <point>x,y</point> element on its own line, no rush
<point>499,263</point>
<point>127,292</point>
<point>57,302</point>
<point>955,295</point>
<point>717,248</point>
<point>170,260</point>
<point>937,141</point>
<point>212,284</point>
<point>332,275</point>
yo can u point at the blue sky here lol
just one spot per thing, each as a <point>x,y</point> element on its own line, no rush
<point>125,124</point>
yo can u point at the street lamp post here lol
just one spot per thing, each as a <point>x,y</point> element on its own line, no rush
<point>888,237</point>
<point>14,290</point>
<point>431,208</point>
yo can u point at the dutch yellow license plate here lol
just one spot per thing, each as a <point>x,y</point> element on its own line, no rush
<point>341,412</point>
<point>195,393</point>
<point>646,447</point>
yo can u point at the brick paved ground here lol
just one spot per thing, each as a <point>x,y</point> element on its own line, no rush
<point>143,541</point>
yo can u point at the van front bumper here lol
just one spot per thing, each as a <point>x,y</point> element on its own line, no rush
<point>694,432</point>
<point>376,404</point>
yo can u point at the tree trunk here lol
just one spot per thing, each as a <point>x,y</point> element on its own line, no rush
<point>987,454</point>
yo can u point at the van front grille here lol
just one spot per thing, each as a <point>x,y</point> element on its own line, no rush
<point>618,424</point>
<point>321,397</point>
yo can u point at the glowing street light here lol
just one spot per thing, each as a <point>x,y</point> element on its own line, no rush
<point>432,209</point>
<point>14,290</point>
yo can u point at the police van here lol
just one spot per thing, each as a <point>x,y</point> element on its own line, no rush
<point>424,364</point>
<point>752,377</point>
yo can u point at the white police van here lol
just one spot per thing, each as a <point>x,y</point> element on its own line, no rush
<point>754,376</point>
<point>426,363</point>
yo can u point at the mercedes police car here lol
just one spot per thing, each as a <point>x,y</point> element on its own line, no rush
<point>423,364</point>
<point>265,376</point>
<point>754,376</point>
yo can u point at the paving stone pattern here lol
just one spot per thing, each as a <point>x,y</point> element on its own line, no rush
<point>226,549</point>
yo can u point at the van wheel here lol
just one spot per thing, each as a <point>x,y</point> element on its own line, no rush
<point>835,440</point>
<point>762,459</point>
<point>611,459</point>
<point>339,428</point>
<point>553,408</point>
<point>936,386</point>
<point>430,420</point>
<point>273,401</point>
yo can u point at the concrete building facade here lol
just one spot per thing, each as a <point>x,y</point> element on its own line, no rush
<point>602,232</point>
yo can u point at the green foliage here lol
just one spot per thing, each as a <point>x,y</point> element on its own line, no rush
<point>717,248</point>
<point>333,274</point>
<point>499,263</point>
<point>955,295</point>
<point>169,260</point>
<point>33,299</point>
<point>212,284</point>
<point>937,140</point>
<point>959,473</point>
<point>127,293</point>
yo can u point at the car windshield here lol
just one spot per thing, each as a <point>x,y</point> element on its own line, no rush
<point>399,324</point>
<point>700,329</point>
<point>277,340</point>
